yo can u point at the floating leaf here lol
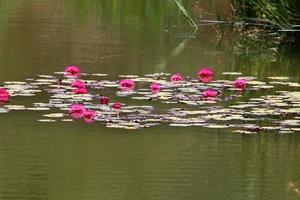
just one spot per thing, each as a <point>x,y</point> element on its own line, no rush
<point>15,107</point>
<point>232,73</point>
<point>67,120</point>
<point>278,78</point>
<point>291,122</point>
<point>128,76</point>
<point>294,84</point>
<point>38,108</point>
<point>47,76</point>
<point>46,120</point>
<point>54,115</point>
<point>99,74</point>
<point>263,86</point>
<point>15,83</point>
<point>180,125</point>
<point>219,126</point>
<point>3,110</point>
<point>244,132</point>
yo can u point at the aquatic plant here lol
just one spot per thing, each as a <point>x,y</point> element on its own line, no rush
<point>117,105</point>
<point>4,95</point>
<point>127,84</point>
<point>72,70</point>
<point>155,88</point>
<point>104,100</point>
<point>215,104</point>
<point>176,77</point>
<point>77,111</point>
<point>210,93</point>
<point>205,75</point>
<point>89,116</point>
<point>80,91</point>
<point>240,84</point>
<point>78,84</point>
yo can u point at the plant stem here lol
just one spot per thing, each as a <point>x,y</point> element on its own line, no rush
<point>186,14</point>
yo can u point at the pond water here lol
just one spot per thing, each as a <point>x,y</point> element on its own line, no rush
<point>73,160</point>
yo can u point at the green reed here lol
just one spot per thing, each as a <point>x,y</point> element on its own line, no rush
<point>185,13</point>
<point>282,14</point>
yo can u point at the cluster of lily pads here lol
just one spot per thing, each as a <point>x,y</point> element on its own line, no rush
<point>199,101</point>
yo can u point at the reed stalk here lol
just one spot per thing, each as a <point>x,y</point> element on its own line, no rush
<point>186,13</point>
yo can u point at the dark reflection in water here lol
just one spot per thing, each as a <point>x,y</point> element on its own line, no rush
<point>76,161</point>
<point>118,37</point>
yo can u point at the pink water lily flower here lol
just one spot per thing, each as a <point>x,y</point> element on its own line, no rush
<point>155,88</point>
<point>210,93</point>
<point>78,84</point>
<point>240,84</point>
<point>89,116</point>
<point>176,77</point>
<point>80,91</point>
<point>104,100</point>
<point>77,111</point>
<point>205,75</point>
<point>4,95</point>
<point>117,105</point>
<point>72,70</point>
<point>126,84</point>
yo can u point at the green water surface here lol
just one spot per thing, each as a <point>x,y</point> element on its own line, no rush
<point>73,160</point>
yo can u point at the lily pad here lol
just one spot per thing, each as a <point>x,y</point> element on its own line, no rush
<point>46,120</point>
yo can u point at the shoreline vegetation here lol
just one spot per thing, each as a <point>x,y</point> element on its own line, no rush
<point>283,15</point>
